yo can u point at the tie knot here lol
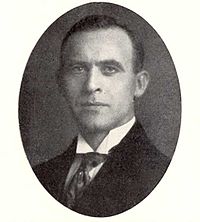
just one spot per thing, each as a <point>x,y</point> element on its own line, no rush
<point>92,159</point>
<point>81,179</point>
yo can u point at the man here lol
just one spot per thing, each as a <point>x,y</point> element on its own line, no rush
<point>100,76</point>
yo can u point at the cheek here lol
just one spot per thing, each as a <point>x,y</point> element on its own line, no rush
<point>125,91</point>
<point>73,87</point>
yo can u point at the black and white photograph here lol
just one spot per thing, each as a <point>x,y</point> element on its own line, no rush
<point>101,122</point>
<point>94,72</point>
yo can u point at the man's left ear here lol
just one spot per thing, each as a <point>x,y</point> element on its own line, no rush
<point>142,80</point>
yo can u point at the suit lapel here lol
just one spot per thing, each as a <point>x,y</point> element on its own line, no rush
<point>111,184</point>
<point>132,170</point>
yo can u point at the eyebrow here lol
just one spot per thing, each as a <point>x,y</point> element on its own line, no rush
<point>73,62</point>
<point>111,62</point>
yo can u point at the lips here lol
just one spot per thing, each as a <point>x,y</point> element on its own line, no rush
<point>93,106</point>
<point>91,103</point>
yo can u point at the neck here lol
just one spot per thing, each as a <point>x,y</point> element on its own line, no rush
<point>94,139</point>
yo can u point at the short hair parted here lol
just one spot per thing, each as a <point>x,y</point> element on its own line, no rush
<point>95,22</point>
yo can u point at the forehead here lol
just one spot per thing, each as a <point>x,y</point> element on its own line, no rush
<point>102,42</point>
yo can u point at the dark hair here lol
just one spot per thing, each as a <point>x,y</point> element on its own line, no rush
<point>95,22</point>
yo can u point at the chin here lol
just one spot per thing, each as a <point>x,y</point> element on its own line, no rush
<point>94,126</point>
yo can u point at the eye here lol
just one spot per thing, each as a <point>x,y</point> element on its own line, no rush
<point>78,69</point>
<point>109,70</point>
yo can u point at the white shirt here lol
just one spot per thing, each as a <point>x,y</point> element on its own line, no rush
<point>112,139</point>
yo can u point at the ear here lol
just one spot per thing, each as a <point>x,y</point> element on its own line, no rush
<point>142,80</point>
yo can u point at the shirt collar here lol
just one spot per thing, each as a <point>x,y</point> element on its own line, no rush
<point>112,139</point>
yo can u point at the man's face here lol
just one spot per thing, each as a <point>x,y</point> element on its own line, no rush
<point>99,79</point>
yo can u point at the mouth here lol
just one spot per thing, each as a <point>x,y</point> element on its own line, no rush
<point>90,105</point>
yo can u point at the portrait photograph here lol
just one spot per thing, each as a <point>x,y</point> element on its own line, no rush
<point>100,109</point>
<point>100,119</point>
<point>96,144</point>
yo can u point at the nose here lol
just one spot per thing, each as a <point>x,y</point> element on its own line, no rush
<point>94,81</point>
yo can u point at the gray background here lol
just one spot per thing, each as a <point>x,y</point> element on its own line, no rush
<point>45,120</point>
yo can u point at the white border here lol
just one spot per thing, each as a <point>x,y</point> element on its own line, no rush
<point>22,198</point>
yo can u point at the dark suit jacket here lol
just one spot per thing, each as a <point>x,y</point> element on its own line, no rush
<point>133,168</point>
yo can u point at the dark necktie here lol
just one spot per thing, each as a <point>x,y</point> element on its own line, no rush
<point>81,178</point>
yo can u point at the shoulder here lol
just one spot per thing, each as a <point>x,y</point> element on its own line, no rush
<point>55,167</point>
<point>137,150</point>
<point>153,163</point>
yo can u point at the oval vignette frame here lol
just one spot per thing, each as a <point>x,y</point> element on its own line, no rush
<point>46,123</point>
